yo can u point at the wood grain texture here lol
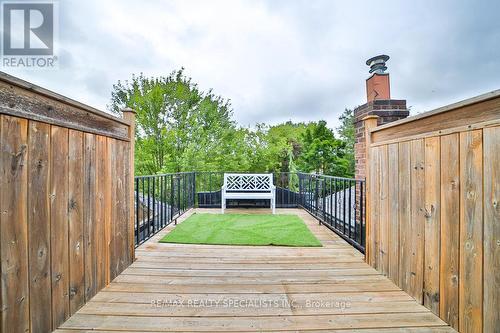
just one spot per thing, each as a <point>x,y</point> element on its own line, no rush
<point>14,224</point>
<point>459,118</point>
<point>417,220</point>
<point>59,244</point>
<point>53,191</point>
<point>128,210</point>
<point>101,212</point>
<point>373,301</point>
<point>450,229</point>
<point>39,226</point>
<point>383,234</point>
<point>491,302</point>
<point>471,232</point>
<point>448,211</point>
<point>40,105</point>
<point>373,241</point>
<point>76,214</point>
<point>108,209</point>
<point>404,200</point>
<point>393,218</point>
<point>432,223</point>
<point>113,240</point>
<point>121,204</point>
<point>89,223</point>
<point>119,251</point>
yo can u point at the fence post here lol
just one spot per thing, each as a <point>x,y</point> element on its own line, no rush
<point>370,122</point>
<point>129,116</point>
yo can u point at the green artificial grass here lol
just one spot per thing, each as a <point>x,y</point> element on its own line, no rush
<point>242,229</point>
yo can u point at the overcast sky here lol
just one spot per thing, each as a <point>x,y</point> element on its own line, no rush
<point>280,60</point>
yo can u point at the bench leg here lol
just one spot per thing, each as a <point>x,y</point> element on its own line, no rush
<point>223,204</point>
<point>273,205</point>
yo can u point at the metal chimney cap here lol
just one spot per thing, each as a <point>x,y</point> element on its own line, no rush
<point>377,63</point>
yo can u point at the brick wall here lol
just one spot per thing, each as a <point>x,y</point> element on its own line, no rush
<point>388,110</point>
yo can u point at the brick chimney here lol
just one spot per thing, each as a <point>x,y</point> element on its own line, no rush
<point>379,103</point>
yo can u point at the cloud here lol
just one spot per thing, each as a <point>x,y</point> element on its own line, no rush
<point>280,59</point>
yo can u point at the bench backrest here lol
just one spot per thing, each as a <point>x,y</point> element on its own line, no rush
<point>248,182</point>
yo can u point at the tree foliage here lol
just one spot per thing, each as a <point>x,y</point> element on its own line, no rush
<point>348,135</point>
<point>181,128</point>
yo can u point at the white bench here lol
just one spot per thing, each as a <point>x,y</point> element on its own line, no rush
<point>248,186</point>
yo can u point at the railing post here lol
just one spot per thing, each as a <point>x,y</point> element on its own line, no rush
<point>129,116</point>
<point>370,122</point>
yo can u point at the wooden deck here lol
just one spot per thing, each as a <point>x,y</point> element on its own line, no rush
<point>236,288</point>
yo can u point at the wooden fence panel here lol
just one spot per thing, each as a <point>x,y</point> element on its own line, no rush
<point>76,214</point>
<point>119,186</point>
<point>383,229</point>
<point>491,302</point>
<point>471,231</point>
<point>393,219</point>
<point>404,214</point>
<point>59,224</point>
<point>446,199</point>
<point>432,223</point>
<point>56,176</point>
<point>14,236</point>
<point>417,220</point>
<point>89,224</point>
<point>373,241</point>
<point>450,229</point>
<point>101,212</point>
<point>39,226</point>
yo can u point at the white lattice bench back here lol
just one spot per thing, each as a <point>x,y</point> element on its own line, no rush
<point>248,186</point>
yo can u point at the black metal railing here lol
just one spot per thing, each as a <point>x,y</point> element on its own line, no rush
<point>161,199</point>
<point>338,203</point>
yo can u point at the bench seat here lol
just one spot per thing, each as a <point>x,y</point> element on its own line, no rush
<point>248,195</point>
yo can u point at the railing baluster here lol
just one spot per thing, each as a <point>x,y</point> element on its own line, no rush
<point>331,199</point>
<point>350,208</point>
<point>356,231</point>
<point>144,214</point>
<point>336,203</point>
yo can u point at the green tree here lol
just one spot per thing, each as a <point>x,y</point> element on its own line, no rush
<point>322,152</point>
<point>179,127</point>
<point>281,145</point>
<point>347,134</point>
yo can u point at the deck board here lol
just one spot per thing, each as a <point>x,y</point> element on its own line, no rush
<point>180,287</point>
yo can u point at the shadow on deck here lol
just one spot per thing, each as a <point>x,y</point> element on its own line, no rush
<point>176,287</point>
